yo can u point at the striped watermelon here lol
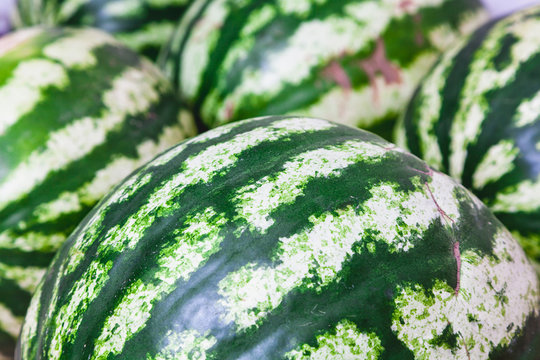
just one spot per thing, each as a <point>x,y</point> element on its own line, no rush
<point>477,118</point>
<point>143,25</point>
<point>78,112</point>
<point>286,238</point>
<point>353,60</point>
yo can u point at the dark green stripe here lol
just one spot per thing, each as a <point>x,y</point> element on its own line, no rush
<point>14,297</point>
<point>61,107</point>
<point>451,93</point>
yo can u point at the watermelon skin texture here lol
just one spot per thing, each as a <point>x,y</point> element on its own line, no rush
<point>143,25</point>
<point>285,238</point>
<point>355,61</point>
<point>477,117</point>
<point>79,112</point>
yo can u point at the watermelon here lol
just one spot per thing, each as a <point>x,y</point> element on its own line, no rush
<point>477,117</point>
<point>143,25</point>
<point>286,238</point>
<point>356,61</point>
<point>79,112</point>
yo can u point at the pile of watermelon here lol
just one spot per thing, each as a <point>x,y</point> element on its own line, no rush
<point>218,179</point>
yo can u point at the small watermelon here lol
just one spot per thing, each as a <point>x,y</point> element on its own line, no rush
<point>286,238</point>
<point>78,113</point>
<point>477,117</point>
<point>143,25</point>
<point>355,61</point>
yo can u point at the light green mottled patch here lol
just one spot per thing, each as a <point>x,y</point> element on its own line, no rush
<point>153,34</point>
<point>76,51</point>
<point>191,249</point>
<point>132,92</point>
<point>31,241</point>
<point>525,196</point>
<point>201,168</point>
<point>9,322</point>
<point>23,90</point>
<point>498,161</point>
<point>390,215</point>
<point>255,202</point>
<point>489,294</point>
<point>68,318</point>
<point>26,277</point>
<point>346,343</point>
<point>528,111</point>
<point>186,345</point>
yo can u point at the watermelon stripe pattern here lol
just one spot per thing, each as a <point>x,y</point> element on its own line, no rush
<point>79,113</point>
<point>476,118</point>
<point>357,61</point>
<point>143,25</point>
<point>285,238</point>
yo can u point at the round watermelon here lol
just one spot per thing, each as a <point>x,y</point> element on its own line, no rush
<point>477,117</point>
<point>356,61</point>
<point>78,113</point>
<point>286,238</point>
<point>143,25</point>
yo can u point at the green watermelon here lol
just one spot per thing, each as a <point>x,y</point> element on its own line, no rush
<point>286,238</point>
<point>477,117</point>
<point>143,25</point>
<point>78,113</point>
<point>353,60</point>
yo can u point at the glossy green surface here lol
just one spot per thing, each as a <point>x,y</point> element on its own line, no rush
<point>477,115</point>
<point>286,238</point>
<point>356,61</point>
<point>79,112</point>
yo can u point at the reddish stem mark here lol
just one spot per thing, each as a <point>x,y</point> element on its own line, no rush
<point>418,36</point>
<point>229,110</point>
<point>336,72</point>
<point>455,248</point>
<point>379,63</point>
<point>406,5</point>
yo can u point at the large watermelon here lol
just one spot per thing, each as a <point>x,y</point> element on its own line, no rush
<point>78,112</point>
<point>353,60</point>
<point>477,117</point>
<point>286,238</point>
<point>143,25</point>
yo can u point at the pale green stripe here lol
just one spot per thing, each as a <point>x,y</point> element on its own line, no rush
<point>76,49</point>
<point>498,161</point>
<point>26,277</point>
<point>485,77</point>
<point>9,322</point>
<point>522,197</point>
<point>132,92</point>
<point>31,241</point>
<point>255,202</point>
<point>250,293</point>
<point>68,318</point>
<point>191,250</point>
<point>23,91</point>
<point>153,34</point>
